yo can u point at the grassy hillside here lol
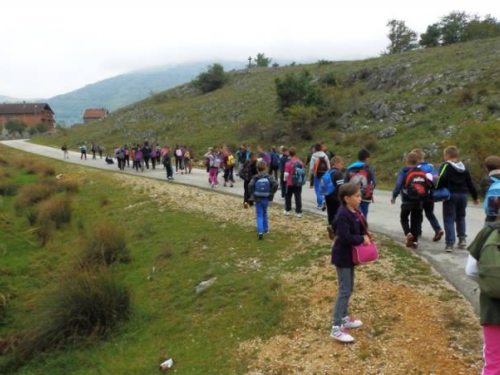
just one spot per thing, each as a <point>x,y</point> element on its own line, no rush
<point>428,98</point>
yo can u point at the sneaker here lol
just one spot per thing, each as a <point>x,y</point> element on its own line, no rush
<point>261,236</point>
<point>298,216</point>
<point>349,322</point>
<point>245,204</point>
<point>415,245</point>
<point>340,334</point>
<point>286,212</point>
<point>331,233</point>
<point>409,240</point>
<point>448,248</point>
<point>439,234</point>
<point>323,207</point>
<point>231,185</point>
<point>462,244</point>
<point>319,208</point>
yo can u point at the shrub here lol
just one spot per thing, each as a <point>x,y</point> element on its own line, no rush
<point>4,162</point>
<point>34,193</point>
<point>15,127</point>
<point>105,246</point>
<point>40,169</point>
<point>56,209</point>
<point>324,62</point>
<point>329,79</point>
<point>293,89</point>
<point>214,78</point>
<point>69,185</point>
<point>493,107</point>
<point>8,188</point>
<point>86,305</point>
<point>302,121</point>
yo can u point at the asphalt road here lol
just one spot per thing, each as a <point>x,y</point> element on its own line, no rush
<point>383,217</point>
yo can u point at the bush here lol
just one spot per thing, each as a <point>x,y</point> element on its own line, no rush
<point>56,209</point>
<point>299,90</point>
<point>40,169</point>
<point>323,62</point>
<point>106,246</point>
<point>8,188</point>
<point>15,127</point>
<point>4,162</point>
<point>86,305</point>
<point>493,107</point>
<point>302,121</point>
<point>214,78</point>
<point>329,79</point>
<point>69,185</point>
<point>34,193</point>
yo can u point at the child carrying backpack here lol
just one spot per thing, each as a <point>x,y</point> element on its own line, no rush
<point>330,184</point>
<point>361,174</point>
<point>415,187</point>
<point>318,167</point>
<point>484,266</point>
<point>262,188</point>
<point>490,189</point>
<point>295,177</point>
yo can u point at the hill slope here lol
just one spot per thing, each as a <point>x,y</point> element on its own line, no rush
<point>427,98</point>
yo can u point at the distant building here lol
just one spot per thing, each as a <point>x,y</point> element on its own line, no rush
<point>92,114</point>
<point>31,114</point>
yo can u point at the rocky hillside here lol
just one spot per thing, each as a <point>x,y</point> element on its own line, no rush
<point>428,98</point>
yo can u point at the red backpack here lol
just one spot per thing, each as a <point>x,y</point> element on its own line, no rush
<point>361,177</point>
<point>416,185</point>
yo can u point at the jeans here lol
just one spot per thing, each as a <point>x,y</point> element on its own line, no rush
<point>146,161</point>
<point>413,210</point>
<point>454,214</point>
<point>283,187</point>
<point>345,277</point>
<point>429,214</point>
<point>168,167</point>
<point>364,206</point>
<point>320,199</point>
<point>261,210</point>
<point>228,174</point>
<point>297,192</point>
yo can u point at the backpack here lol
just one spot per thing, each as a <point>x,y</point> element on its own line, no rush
<point>216,161</point>
<point>492,198</point>
<point>361,177</point>
<point>230,161</point>
<point>416,185</point>
<point>327,186</point>
<point>275,161</point>
<point>488,266</point>
<point>187,155</point>
<point>121,154</point>
<point>298,174</point>
<point>178,152</point>
<point>245,171</point>
<point>262,187</point>
<point>321,167</point>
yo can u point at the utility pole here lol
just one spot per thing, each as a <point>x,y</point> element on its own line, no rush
<point>249,62</point>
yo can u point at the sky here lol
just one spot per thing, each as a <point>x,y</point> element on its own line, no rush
<point>52,47</point>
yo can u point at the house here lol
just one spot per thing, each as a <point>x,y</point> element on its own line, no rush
<point>92,114</point>
<point>30,114</point>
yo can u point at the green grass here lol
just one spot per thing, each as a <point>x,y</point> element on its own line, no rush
<point>245,110</point>
<point>200,331</point>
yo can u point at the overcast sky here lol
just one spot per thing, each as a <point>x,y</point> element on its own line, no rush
<point>52,47</point>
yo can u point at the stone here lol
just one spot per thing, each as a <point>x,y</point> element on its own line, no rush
<point>204,285</point>
<point>418,107</point>
<point>379,109</point>
<point>387,132</point>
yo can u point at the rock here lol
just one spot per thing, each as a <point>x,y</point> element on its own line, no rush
<point>387,132</point>
<point>204,285</point>
<point>418,107</point>
<point>450,130</point>
<point>345,121</point>
<point>379,109</point>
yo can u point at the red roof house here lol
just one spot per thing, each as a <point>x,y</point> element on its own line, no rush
<point>92,114</point>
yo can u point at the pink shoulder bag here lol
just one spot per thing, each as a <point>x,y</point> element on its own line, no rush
<point>364,254</point>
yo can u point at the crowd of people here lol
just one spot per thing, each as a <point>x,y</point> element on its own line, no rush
<point>346,193</point>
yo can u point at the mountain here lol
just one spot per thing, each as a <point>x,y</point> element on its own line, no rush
<point>428,98</point>
<point>119,91</point>
<point>8,99</point>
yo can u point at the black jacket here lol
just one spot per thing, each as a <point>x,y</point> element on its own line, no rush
<point>456,178</point>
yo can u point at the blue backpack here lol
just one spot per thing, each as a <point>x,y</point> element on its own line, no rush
<point>275,160</point>
<point>262,187</point>
<point>492,199</point>
<point>327,186</point>
<point>299,174</point>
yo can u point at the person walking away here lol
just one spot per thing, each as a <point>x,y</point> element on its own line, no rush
<point>249,170</point>
<point>318,167</point>
<point>361,174</point>
<point>100,149</point>
<point>484,261</point>
<point>216,163</point>
<point>228,164</point>
<point>489,189</point>
<point>242,155</point>
<point>454,175</point>
<point>331,182</point>
<point>146,154</point>
<point>64,149</point>
<point>83,151</point>
<point>188,160</point>
<point>158,154</point>
<point>415,187</point>
<point>284,158</point>
<point>93,148</point>
<point>328,153</point>
<point>138,159</point>
<point>127,155</point>
<point>274,166</point>
<point>167,162</point>
<point>351,231</point>
<point>295,177</point>
<point>154,154</point>
<point>428,203</point>
<point>121,158</point>
<point>262,188</point>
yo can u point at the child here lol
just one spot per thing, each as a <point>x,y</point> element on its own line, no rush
<point>429,203</point>
<point>262,188</point>
<point>294,183</point>
<point>228,162</point>
<point>167,162</point>
<point>351,231</point>
<point>360,173</point>
<point>454,175</point>
<point>489,308</point>
<point>318,166</point>
<point>492,165</point>
<point>414,186</point>
<point>249,170</point>
<point>332,200</point>
<point>284,158</point>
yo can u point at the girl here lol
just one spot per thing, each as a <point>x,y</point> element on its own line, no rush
<point>351,231</point>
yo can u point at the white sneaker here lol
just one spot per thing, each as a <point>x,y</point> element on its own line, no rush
<point>341,335</point>
<point>286,212</point>
<point>298,216</point>
<point>348,322</point>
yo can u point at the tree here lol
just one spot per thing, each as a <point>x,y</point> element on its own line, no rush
<point>482,29</point>
<point>453,27</point>
<point>42,128</point>
<point>214,78</point>
<point>297,89</point>
<point>402,38</point>
<point>432,37</point>
<point>262,61</point>
<point>15,126</point>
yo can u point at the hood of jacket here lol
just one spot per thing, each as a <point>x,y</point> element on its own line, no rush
<point>458,166</point>
<point>357,164</point>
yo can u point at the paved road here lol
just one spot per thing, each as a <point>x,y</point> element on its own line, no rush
<point>383,217</point>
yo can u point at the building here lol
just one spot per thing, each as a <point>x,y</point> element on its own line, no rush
<point>92,114</point>
<point>30,114</point>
